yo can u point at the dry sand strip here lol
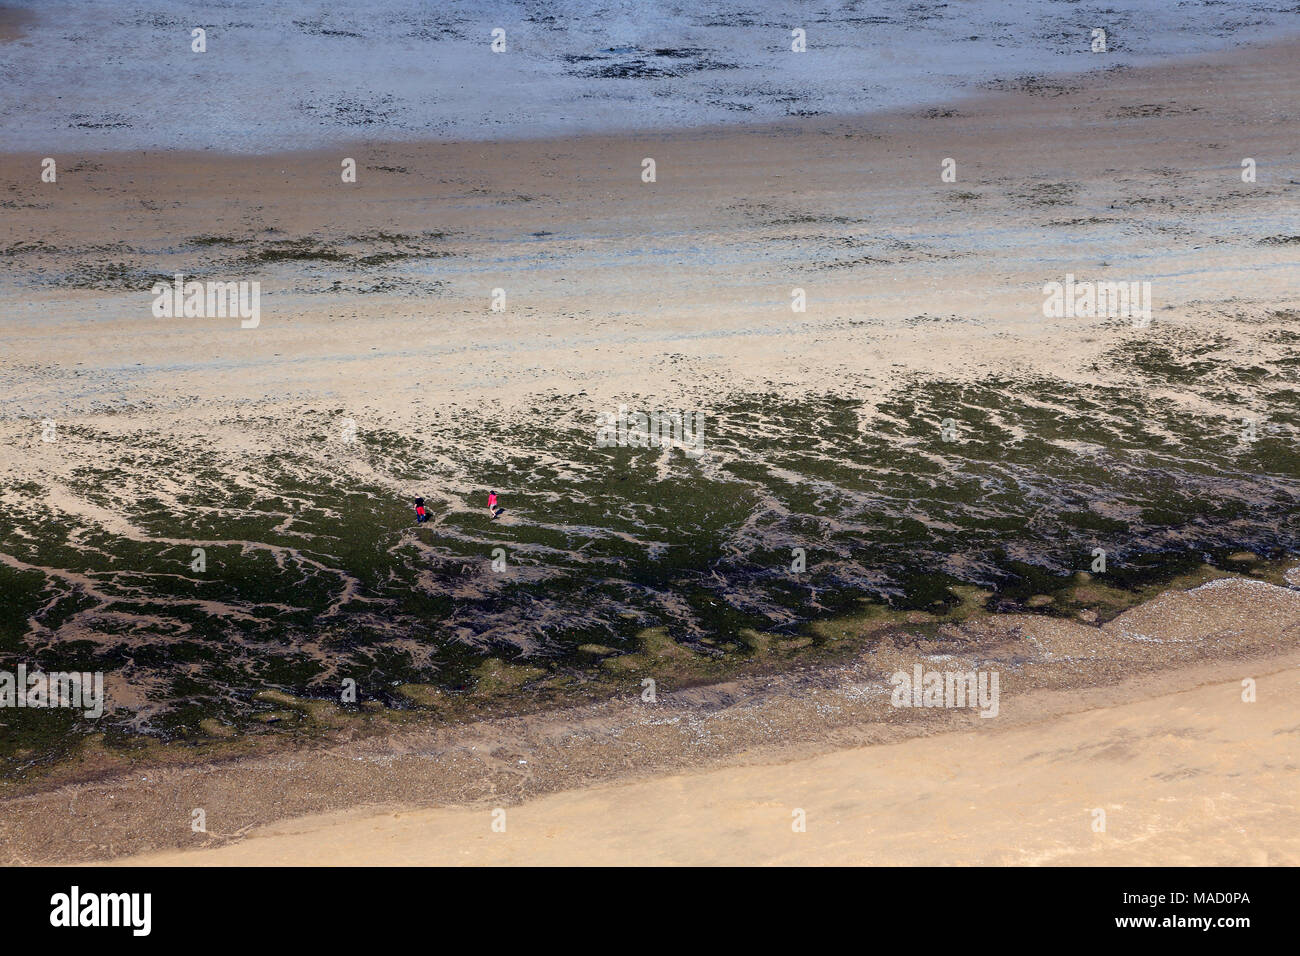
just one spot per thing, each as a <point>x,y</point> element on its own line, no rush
<point>1197,777</point>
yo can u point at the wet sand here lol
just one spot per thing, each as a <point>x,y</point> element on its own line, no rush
<point>617,287</point>
<point>14,23</point>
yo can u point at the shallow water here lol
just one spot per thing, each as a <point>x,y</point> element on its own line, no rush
<point>279,76</point>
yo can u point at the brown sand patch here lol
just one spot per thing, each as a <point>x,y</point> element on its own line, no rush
<point>14,22</point>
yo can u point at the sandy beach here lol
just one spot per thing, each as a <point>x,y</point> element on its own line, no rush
<point>521,690</point>
<point>1194,777</point>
